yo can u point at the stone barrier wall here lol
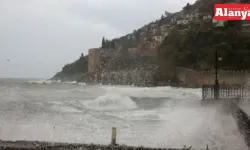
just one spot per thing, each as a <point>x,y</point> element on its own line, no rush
<point>194,78</point>
<point>243,121</point>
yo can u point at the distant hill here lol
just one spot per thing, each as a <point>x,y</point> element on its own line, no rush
<point>68,72</point>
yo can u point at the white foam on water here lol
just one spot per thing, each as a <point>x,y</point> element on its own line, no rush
<point>56,102</point>
<point>81,83</point>
<point>197,127</point>
<point>111,101</point>
<point>65,109</point>
<point>42,82</point>
<point>176,93</point>
<point>52,81</point>
<point>185,122</point>
<point>137,115</point>
<point>70,82</point>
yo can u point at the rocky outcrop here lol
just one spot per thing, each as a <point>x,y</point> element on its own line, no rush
<point>74,77</point>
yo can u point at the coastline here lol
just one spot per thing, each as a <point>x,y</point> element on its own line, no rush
<point>91,81</point>
<point>41,145</point>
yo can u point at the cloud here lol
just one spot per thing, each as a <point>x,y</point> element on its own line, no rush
<point>40,36</point>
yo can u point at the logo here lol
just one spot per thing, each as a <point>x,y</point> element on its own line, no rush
<point>231,11</point>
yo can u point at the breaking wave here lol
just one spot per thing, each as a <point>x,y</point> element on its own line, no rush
<point>54,81</point>
<point>70,82</point>
<point>43,82</point>
<point>82,83</point>
<point>111,101</point>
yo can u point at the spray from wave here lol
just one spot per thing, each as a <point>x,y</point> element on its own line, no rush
<point>43,82</point>
<point>54,82</point>
<point>111,101</point>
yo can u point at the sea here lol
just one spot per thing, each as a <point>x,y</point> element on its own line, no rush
<point>158,117</point>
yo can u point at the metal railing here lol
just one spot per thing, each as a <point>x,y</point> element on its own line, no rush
<point>225,91</point>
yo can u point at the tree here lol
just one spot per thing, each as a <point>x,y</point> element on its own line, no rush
<point>187,8</point>
<point>112,44</point>
<point>207,6</point>
<point>196,48</point>
<point>77,67</point>
<point>107,44</point>
<point>235,25</point>
<point>103,42</point>
<point>245,1</point>
<point>162,17</point>
<point>167,14</point>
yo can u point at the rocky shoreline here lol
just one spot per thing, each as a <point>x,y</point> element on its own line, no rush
<point>36,145</point>
<point>139,78</point>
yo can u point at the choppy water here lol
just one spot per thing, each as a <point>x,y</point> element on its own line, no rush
<point>155,117</point>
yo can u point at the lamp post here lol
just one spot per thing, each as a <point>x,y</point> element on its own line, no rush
<point>216,84</point>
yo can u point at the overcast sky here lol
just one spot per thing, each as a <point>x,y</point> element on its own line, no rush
<point>40,36</point>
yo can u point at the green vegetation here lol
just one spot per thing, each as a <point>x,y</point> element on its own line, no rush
<point>196,48</point>
<point>80,66</point>
<point>187,8</point>
<point>105,43</point>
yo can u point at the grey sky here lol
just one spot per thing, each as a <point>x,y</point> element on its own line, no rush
<point>40,36</point>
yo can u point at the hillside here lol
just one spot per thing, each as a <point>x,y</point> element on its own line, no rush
<point>187,38</point>
<point>196,49</point>
<point>72,70</point>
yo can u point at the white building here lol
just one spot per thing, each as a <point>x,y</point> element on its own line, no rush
<point>173,20</point>
<point>165,34</point>
<point>155,31</point>
<point>207,17</point>
<point>142,33</point>
<point>153,45</point>
<point>152,25</point>
<point>165,28</point>
<point>132,50</point>
<point>184,21</point>
<point>245,23</point>
<point>129,36</point>
<point>218,23</point>
<point>158,39</point>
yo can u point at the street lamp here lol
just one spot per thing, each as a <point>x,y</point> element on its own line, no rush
<point>216,86</point>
